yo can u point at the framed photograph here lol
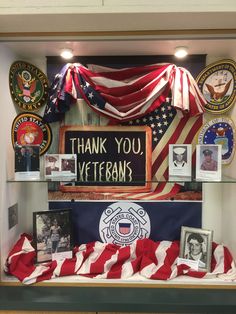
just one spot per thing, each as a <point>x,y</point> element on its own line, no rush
<point>27,162</point>
<point>196,245</point>
<point>68,164</point>
<point>60,165</point>
<point>51,164</point>
<point>208,162</point>
<point>52,235</point>
<point>12,216</point>
<point>180,162</point>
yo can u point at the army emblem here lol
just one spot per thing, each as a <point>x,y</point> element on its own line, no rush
<point>122,223</point>
<point>28,86</point>
<point>220,131</point>
<point>29,129</point>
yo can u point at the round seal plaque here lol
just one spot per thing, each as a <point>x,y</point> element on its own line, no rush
<point>28,86</point>
<point>29,129</point>
<point>220,131</point>
<point>217,83</point>
<point>124,222</point>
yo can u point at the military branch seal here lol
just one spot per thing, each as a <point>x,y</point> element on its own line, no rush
<point>217,83</point>
<point>122,223</point>
<point>29,129</point>
<point>219,131</point>
<point>28,86</point>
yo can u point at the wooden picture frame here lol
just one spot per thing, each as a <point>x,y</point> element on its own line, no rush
<point>79,140</point>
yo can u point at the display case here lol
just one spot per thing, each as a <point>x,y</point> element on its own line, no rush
<point>68,293</point>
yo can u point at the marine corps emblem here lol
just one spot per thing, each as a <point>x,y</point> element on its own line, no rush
<point>122,223</point>
<point>29,129</point>
<point>217,83</point>
<point>28,86</point>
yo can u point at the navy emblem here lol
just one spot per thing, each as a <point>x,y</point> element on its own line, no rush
<point>220,131</point>
<point>28,86</point>
<point>124,222</point>
<point>217,83</point>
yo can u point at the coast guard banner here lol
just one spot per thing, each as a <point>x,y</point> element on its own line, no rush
<point>123,222</point>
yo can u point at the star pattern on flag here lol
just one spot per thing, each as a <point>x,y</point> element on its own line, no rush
<point>158,120</point>
<point>90,93</point>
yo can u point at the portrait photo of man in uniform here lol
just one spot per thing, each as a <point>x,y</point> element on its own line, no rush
<point>51,164</point>
<point>68,164</point>
<point>180,157</point>
<point>27,165</point>
<point>208,162</point>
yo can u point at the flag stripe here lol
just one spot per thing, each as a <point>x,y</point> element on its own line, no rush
<point>136,86</point>
<point>150,259</point>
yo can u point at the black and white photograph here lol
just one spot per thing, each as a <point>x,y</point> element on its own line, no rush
<point>12,216</point>
<point>60,165</point>
<point>180,162</point>
<point>27,162</point>
<point>68,164</point>
<point>196,245</point>
<point>208,162</point>
<point>52,235</point>
<point>51,162</point>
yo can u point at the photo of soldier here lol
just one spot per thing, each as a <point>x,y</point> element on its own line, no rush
<point>208,163</point>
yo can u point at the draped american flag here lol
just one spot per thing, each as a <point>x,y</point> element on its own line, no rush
<point>136,96</point>
<point>146,258</point>
<point>124,94</point>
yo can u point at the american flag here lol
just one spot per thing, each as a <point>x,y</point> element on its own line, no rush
<point>124,94</point>
<point>137,96</point>
<point>124,228</point>
<point>144,258</point>
<point>167,128</point>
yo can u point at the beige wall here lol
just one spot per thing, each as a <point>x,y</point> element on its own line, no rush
<point>98,6</point>
<point>115,15</point>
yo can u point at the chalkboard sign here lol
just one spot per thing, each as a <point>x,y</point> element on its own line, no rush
<point>109,157</point>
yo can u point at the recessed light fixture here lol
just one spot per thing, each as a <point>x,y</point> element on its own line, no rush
<point>67,53</point>
<point>181,52</point>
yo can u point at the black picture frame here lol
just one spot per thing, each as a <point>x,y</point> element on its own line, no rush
<point>52,234</point>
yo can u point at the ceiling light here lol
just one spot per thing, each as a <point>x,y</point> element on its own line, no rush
<point>181,52</point>
<point>67,53</point>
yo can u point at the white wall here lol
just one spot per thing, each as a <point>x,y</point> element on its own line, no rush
<point>229,196</point>
<point>30,197</point>
<point>7,197</point>
<point>219,209</point>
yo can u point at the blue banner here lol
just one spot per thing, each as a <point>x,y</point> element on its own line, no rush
<point>122,222</point>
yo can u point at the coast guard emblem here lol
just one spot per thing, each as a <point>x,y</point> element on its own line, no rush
<point>28,86</point>
<point>122,223</point>
<point>220,131</point>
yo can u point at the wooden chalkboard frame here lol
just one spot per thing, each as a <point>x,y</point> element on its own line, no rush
<point>111,188</point>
